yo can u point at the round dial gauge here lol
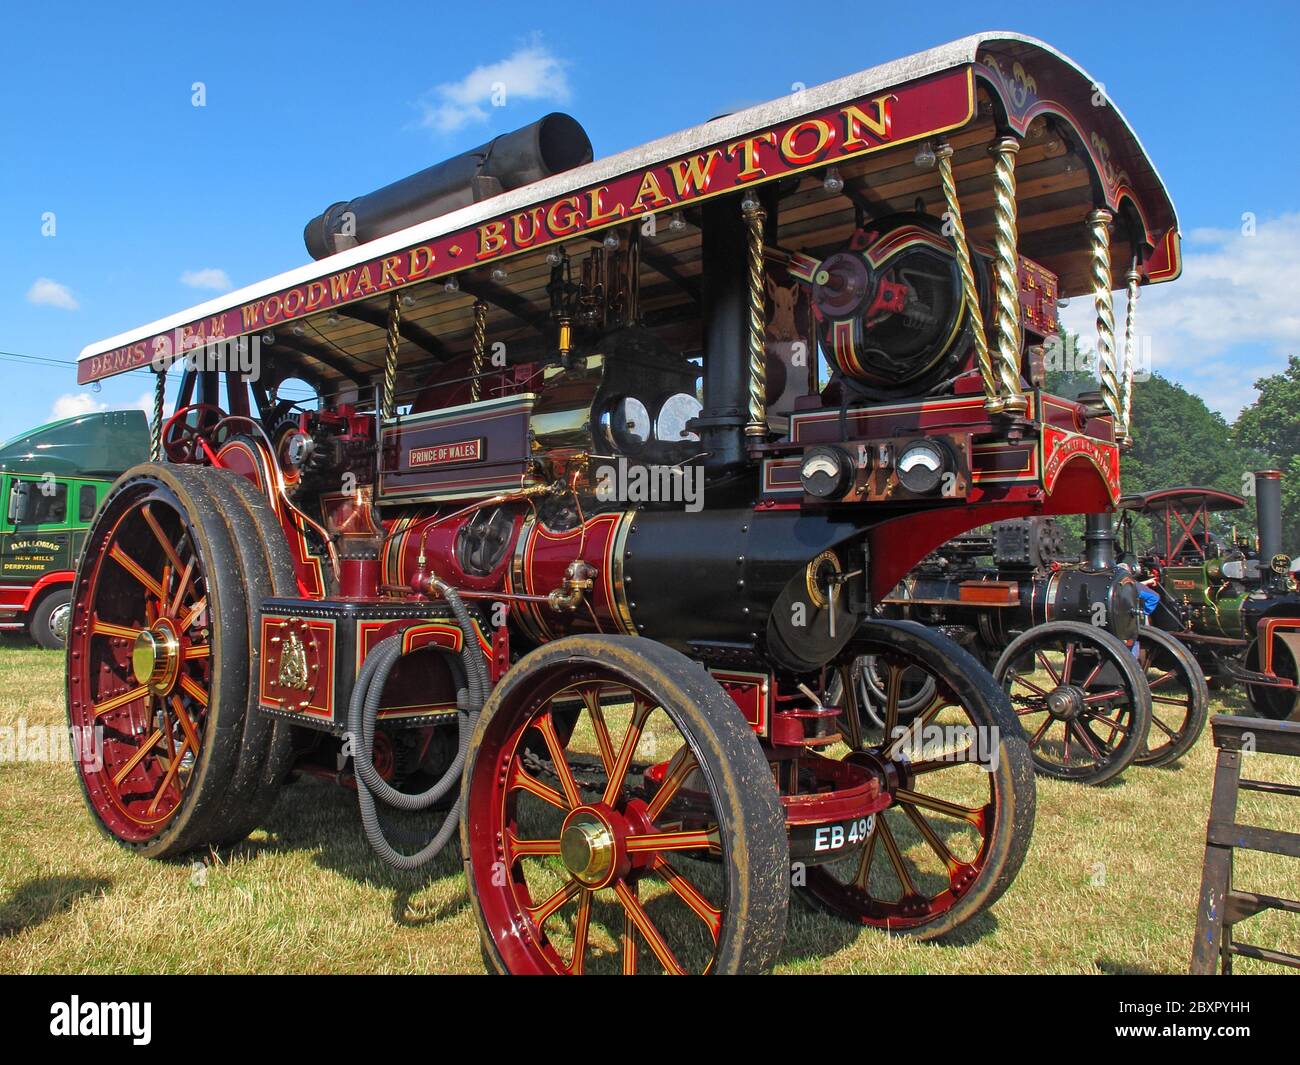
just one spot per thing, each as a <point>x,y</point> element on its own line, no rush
<point>627,422</point>
<point>674,413</point>
<point>825,472</point>
<point>921,465</point>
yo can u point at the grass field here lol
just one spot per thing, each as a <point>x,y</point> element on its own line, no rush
<point>1109,885</point>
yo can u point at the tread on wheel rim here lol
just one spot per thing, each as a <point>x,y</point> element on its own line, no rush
<point>141,665</point>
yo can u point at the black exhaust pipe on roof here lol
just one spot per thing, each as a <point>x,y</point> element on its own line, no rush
<point>1268,509</point>
<point>548,146</point>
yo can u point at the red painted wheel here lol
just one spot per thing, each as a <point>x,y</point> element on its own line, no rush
<point>158,661</point>
<point>185,434</point>
<point>1180,697</point>
<point>1081,698</point>
<point>653,841</point>
<point>266,569</point>
<point>865,674</point>
<point>961,781</point>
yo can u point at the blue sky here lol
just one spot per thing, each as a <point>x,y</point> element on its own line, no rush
<point>307,104</point>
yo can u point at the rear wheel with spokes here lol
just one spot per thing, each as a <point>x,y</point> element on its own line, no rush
<point>619,817</point>
<point>1180,697</point>
<point>158,662</point>
<point>1081,698</point>
<point>266,569</point>
<point>960,778</point>
<point>866,675</point>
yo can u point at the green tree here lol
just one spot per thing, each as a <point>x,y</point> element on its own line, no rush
<point>1270,427</point>
<point>1177,441</point>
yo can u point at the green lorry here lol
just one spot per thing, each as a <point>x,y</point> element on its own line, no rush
<point>52,480</point>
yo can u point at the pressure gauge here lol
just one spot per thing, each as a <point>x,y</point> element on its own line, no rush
<point>825,472</point>
<point>921,466</point>
<point>674,413</point>
<point>626,423</point>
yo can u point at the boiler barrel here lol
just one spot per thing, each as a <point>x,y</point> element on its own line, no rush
<point>714,575</point>
<point>548,146</point>
<point>1095,597</point>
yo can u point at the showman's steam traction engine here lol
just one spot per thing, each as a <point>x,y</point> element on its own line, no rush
<point>606,467</point>
<point>1095,689</point>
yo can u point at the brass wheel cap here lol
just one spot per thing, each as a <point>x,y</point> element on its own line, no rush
<point>155,658</point>
<point>588,849</point>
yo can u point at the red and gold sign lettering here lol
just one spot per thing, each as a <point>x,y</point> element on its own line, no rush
<point>918,109</point>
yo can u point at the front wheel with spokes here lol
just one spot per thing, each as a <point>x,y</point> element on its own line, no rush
<point>158,662</point>
<point>960,780</point>
<point>1180,697</point>
<point>1081,697</point>
<point>619,816</point>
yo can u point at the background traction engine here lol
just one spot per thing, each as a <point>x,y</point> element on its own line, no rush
<point>1095,687</point>
<point>1230,597</point>
<point>606,471</point>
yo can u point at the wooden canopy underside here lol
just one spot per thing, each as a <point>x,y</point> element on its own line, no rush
<point>1053,193</point>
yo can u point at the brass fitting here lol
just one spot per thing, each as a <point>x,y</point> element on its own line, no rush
<point>579,578</point>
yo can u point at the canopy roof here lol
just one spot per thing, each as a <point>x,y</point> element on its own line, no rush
<point>1185,498</point>
<point>327,318</point>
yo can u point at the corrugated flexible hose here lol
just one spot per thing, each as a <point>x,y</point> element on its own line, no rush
<point>471,678</point>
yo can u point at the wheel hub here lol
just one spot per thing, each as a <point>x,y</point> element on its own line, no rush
<point>1066,702</point>
<point>155,657</point>
<point>59,621</point>
<point>588,847</point>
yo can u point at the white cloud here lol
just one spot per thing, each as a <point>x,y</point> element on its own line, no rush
<point>70,404</point>
<point>51,294</point>
<point>208,277</point>
<point>1232,317</point>
<point>145,403</point>
<point>530,73</point>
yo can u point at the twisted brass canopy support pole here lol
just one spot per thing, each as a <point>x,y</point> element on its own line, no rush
<point>155,427</point>
<point>993,401</point>
<point>755,216</point>
<point>1130,355</point>
<point>390,355</point>
<point>1099,224</point>
<point>1006,271</point>
<point>480,351</point>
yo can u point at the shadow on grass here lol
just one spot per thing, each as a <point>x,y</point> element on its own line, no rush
<point>313,816</point>
<point>1111,967</point>
<point>812,932</point>
<point>322,819</point>
<point>1231,701</point>
<point>36,901</point>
